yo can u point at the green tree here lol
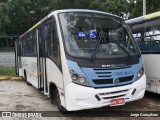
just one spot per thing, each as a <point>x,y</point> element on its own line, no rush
<point>17,16</point>
<point>4,18</point>
<point>135,7</point>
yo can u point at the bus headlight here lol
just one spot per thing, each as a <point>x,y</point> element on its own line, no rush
<point>82,80</point>
<point>78,79</point>
<point>140,73</point>
<point>75,77</point>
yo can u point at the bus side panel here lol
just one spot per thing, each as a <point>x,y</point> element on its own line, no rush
<point>158,85</point>
<point>151,64</point>
<point>21,74</point>
<point>151,84</point>
<point>29,64</point>
<point>158,89</point>
<point>54,74</point>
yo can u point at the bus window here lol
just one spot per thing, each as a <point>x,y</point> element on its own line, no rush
<point>54,43</point>
<point>150,43</point>
<point>114,39</point>
<point>34,42</point>
<point>23,43</point>
<point>29,44</point>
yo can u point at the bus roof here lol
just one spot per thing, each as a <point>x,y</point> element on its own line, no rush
<point>143,18</point>
<point>65,10</point>
<point>85,10</point>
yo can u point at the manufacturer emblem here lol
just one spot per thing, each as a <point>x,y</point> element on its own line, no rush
<point>116,81</point>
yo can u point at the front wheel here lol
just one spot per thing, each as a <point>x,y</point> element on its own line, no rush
<point>58,103</point>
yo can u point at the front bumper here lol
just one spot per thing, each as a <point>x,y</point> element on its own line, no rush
<point>79,97</point>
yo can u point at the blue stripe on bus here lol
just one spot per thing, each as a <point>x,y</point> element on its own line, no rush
<point>91,75</point>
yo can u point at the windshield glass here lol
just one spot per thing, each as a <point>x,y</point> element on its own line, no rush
<point>85,32</point>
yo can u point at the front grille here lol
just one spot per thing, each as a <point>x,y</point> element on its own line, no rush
<point>110,81</point>
<point>106,72</point>
<point>126,79</point>
<point>104,75</point>
<point>103,72</point>
<point>103,81</point>
<point>114,94</point>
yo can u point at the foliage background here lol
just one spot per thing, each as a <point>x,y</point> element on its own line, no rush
<point>17,16</point>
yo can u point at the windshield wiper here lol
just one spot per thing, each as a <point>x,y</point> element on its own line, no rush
<point>128,54</point>
<point>97,43</point>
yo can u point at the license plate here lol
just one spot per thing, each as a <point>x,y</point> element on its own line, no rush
<point>118,101</point>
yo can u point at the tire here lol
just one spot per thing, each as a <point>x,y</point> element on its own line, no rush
<point>25,77</point>
<point>56,99</point>
<point>52,96</point>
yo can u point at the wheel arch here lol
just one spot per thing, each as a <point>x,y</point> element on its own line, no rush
<point>53,86</point>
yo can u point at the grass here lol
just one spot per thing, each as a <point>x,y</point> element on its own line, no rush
<point>8,71</point>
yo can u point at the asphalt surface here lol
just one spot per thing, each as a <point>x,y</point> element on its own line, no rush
<point>19,97</point>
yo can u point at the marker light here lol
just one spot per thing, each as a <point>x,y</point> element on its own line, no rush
<point>71,71</point>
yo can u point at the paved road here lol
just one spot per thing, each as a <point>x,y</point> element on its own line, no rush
<point>17,96</point>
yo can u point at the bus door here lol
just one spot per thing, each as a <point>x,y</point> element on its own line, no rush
<point>42,53</point>
<point>40,61</point>
<point>18,53</point>
<point>17,56</point>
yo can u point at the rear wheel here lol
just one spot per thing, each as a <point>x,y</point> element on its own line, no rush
<point>25,77</point>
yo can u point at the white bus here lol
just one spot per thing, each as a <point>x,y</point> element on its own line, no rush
<point>82,59</point>
<point>146,30</point>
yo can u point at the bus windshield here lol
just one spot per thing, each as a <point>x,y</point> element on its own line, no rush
<point>89,34</point>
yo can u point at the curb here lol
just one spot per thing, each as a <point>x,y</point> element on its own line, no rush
<point>16,78</point>
<point>10,78</point>
<point>4,78</point>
